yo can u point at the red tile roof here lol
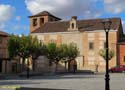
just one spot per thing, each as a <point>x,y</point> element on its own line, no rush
<point>83,25</point>
<point>45,13</point>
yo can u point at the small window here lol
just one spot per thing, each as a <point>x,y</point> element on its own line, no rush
<point>41,21</point>
<point>34,22</point>
<point>72,25</point>
<point>91,46</point>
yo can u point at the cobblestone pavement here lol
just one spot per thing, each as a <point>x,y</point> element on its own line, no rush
<point>75,82</point>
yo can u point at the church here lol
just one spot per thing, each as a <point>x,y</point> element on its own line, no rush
<point>89,36</point>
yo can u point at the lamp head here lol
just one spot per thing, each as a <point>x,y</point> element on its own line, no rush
<point>107,24</point>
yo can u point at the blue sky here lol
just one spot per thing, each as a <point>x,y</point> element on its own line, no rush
<point>14,13</point>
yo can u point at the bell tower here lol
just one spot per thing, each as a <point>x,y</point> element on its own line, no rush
<point>38,20</point>
<point>73,24</point>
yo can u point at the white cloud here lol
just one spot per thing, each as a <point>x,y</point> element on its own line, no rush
<point>18,18</point>
<point>114,6</point>
<point>6,12</point>
<point>64,8</point>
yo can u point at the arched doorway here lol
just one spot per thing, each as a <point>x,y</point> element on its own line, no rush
<point>73,66</point>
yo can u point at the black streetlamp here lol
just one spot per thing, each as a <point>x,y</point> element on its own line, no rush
<point>107,23</point>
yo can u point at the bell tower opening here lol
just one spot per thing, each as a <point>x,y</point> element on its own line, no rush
<point>73,24</point>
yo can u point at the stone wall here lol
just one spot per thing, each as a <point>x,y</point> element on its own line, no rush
<point>88,59</point>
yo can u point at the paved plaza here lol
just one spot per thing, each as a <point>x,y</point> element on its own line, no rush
<point>71,82</point>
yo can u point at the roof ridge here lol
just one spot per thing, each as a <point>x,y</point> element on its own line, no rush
<point>86,19</point>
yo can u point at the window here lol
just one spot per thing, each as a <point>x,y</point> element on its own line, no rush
<point>91,46</point>
<point>34,22</point>
<point>72,25</point>
<point>41,21</point>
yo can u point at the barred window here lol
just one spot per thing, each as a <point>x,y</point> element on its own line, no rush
<point>91,45</point>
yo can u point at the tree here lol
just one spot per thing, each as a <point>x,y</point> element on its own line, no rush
<point>72,52</point>
<point>102,53</point>
<point>64,53</point>
<point>53,53</point>
<point>13,46</point>
<point>35,49</point>
<point>23,47</point>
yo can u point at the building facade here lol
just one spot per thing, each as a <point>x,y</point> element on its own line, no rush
<point>5,66</point>
<point>89,36</point>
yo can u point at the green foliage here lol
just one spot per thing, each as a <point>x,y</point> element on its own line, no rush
<point>22,46</point>
<point>64,51</point>
<point>51,51</point>
<point>61,52</point>
<point>13,46</point>
<point>102,52</point>
<point>27,46</point>
<point>72,51</point>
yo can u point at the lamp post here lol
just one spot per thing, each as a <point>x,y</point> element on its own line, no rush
<point>107,23</point>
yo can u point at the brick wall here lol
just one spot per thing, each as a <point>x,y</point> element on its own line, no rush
<point>121,54</point>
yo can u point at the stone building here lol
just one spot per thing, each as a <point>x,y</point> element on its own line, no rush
<point>88,34</point>
<point>4,63</point>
